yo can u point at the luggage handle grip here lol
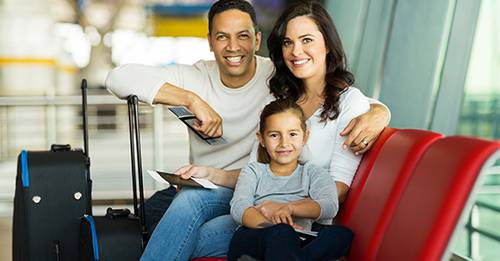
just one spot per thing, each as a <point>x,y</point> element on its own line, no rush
<point>116,213</point>
<point>60,147</point>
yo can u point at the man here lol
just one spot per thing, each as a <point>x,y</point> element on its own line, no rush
<point>226,95</point>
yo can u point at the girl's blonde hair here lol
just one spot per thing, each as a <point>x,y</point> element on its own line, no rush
<point>275,107</point>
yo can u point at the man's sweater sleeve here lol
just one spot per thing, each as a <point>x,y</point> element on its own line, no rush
<point>141,80</point>
<point>244,192</point>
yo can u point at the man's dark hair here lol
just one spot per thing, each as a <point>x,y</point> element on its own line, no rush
<point>224,5</point>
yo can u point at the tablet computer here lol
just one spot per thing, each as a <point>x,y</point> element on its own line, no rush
<point>177,180</point>
<point>172,179</point>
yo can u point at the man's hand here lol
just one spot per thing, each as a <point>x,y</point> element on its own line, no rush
<point>364,130</point>
<point>189,171</point>
<point>225,178</point>
<point>210,123</point>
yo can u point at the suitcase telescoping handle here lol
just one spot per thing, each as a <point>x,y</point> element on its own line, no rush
<point>135,153</point>
<point>85,122</point>
<point>86,144</point>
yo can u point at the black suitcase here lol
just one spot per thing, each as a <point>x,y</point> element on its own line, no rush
<point>53,190</point>
<point>119,235</point>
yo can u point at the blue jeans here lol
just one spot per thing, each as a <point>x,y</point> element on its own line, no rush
<point>196,224</point>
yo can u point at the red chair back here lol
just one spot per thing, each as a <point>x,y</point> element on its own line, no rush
<point>434,199</point>
<point>383,187</point>
<point>364,169</point>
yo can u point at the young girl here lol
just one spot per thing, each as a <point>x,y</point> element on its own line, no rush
<point>306,192</point>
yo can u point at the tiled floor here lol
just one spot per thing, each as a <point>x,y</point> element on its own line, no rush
<point>5,238</point>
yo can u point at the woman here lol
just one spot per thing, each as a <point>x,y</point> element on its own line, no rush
<point>311,69</point>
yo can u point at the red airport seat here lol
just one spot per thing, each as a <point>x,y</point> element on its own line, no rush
<point>382,190</point>
<point>364,169</point>
<point>435,198</point>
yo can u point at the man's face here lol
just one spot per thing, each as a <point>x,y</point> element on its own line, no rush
<point>234,42</point>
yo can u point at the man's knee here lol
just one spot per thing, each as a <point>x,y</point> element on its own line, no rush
<point>205,196</point>
<point>190,196</point>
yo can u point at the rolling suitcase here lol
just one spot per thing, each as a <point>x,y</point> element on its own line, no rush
<point>53,190</point>
<point>119,235</point>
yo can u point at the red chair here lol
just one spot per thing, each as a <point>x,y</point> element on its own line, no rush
<point>382,190</point>
<point>434,199</point>
<point>364,169</point>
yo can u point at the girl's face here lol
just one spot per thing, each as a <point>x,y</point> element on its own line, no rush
<point>304,49</point>
<point>283,138</point>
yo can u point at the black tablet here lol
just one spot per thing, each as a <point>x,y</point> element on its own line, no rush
<point>177,180</point>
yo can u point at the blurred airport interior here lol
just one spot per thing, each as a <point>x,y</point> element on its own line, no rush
<point>436,64</point>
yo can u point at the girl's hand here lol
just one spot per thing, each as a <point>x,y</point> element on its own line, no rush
<point>283,215</point>
<point>268,208</point>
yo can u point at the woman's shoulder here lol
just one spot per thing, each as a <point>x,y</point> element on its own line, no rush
<point>351,93</point>
<point>353,97</point>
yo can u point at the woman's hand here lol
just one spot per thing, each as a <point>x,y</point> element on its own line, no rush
<point>363,131</point>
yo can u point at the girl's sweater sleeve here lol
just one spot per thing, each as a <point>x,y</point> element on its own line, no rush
<point>244,192</point>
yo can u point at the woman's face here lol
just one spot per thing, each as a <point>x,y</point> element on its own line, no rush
<point>304,49</point>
